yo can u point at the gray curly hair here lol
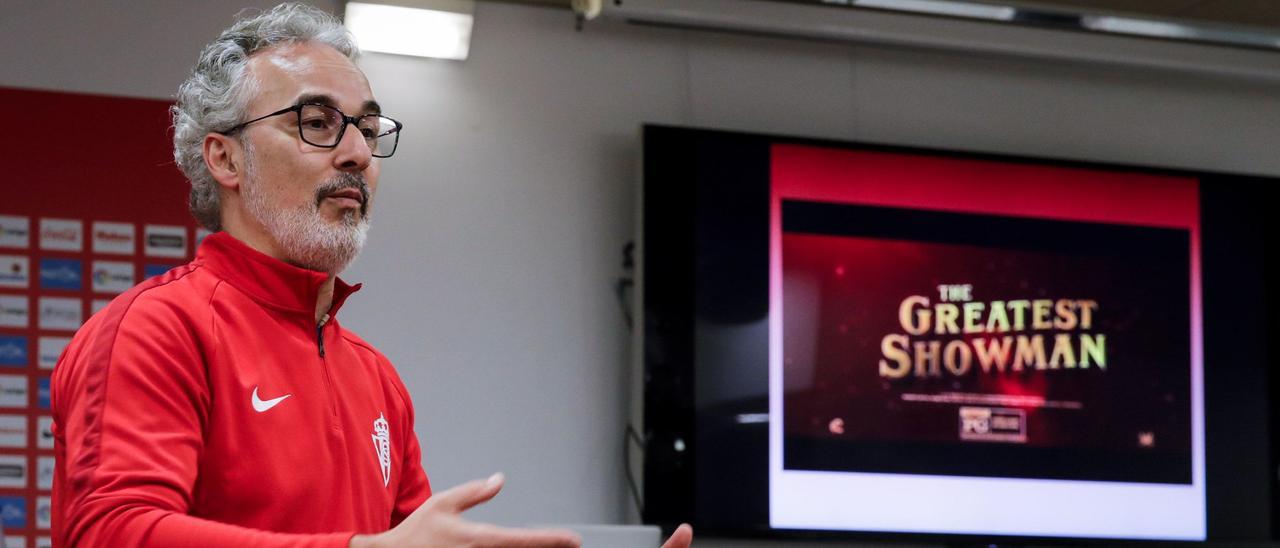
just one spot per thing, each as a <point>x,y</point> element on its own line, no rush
<point>217,93</point>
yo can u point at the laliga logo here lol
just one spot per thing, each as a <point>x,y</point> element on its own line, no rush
<point>382,446</point>
<point>103,276</point>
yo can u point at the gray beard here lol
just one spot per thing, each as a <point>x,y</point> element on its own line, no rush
<point>307,239</point>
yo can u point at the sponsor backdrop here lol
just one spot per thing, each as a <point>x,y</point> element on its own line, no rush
<point>101,207</point>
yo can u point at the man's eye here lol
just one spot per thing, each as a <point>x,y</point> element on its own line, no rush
<point>318,122</point>
<point>368,133</point>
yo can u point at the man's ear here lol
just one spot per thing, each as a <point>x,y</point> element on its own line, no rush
<point>224,157</point>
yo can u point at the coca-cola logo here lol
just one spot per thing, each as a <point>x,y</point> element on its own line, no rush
<point>68,234</point>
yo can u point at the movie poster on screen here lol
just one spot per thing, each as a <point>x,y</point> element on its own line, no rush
<point>961,332</point>
<point>984,345</point>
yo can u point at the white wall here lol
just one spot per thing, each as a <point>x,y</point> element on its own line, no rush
<point>500,220</point>
<point>498,233</point>
<point>141,48</point>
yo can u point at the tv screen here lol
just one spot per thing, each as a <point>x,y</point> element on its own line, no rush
<point>844,338</point>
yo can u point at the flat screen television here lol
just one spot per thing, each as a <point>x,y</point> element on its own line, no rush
<point>855,340</point>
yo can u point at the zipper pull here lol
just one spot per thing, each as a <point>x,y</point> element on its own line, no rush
<point>320,333</point>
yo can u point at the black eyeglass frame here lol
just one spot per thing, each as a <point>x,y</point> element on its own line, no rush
<point>342,131</point>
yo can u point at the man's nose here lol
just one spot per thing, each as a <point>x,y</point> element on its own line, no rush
<point>353,152</point>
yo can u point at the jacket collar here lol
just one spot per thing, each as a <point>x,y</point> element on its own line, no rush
<point>268,280</point>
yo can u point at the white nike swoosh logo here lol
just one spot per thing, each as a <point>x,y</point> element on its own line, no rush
<point>261,406</point>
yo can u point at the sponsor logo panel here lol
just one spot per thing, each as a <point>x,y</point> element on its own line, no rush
<point>201,234</point>
<point>13,431</point>
<point>15,231</point>
<point>15,271</point>
<point>59,313</point>
<point>44,399</point>
<point>44,472</point>
<point>13,511</point>
<point>61,234</point>
<point>13,351</point>
<point>49,349</point>
<point>13,471</point>
<point>61,274</point>
<point>97,305</point>
<point>113,238</point>
<point>44,510</point>
<point>15,542</point>
<point>15,311</point>
<point>13,391</point>
<point>165,241</point>
<point>44,432</point>
<point>112,276</point>
<point>153,270</point>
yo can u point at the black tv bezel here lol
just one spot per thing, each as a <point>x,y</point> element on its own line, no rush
<point>1239,454</point>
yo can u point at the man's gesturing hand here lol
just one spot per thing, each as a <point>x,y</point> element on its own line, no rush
<point>681,538</point>
<point>438,522</point>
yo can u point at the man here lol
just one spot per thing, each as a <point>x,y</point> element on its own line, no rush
<point>222,404</point>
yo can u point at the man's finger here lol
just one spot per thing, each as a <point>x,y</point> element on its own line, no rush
<point>467,495</point>
<point>682,538</point>
<point>491,535</point>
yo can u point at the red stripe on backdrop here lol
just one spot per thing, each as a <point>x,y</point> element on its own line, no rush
<point>91,156</point>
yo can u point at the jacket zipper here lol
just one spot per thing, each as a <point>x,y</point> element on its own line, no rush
<point>328,377</point>
<point>320,333</point>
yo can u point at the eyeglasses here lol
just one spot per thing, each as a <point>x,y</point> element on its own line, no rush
<point>323,126</point>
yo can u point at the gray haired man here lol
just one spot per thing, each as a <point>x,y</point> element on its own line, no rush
<point>222,404</point>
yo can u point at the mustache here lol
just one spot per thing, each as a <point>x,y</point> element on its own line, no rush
<point>344,181</point>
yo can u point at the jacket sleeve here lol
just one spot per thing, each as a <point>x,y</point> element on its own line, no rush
<point>130,403</point>
<point>414,487</point>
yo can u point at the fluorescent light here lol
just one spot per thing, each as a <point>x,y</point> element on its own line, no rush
<point>1141,27</point>
<point>443,34</point>
<point>942,7</point>
<point>1165,29</point>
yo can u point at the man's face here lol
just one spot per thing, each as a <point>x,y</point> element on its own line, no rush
<point>312,203</point>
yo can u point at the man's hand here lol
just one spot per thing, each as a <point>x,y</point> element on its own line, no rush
<point>438,522</point>
<point>681,538</point>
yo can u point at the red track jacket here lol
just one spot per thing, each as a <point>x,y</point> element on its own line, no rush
<point>205,407</point>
